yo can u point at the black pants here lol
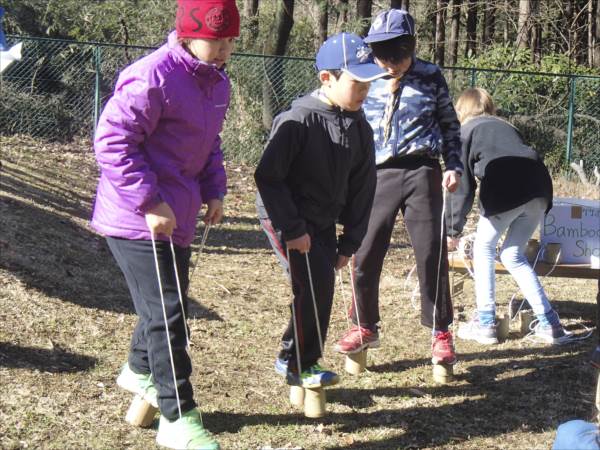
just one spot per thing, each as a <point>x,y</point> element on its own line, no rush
<point>322,258</point>
<point>415,188</point>
<point>149,352</point>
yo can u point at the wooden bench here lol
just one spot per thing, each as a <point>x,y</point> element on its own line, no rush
<point>462,266</point>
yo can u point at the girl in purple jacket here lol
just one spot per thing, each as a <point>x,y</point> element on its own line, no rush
<point>158,147</point>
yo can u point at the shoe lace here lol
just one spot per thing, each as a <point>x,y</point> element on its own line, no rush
<point>443,341</point>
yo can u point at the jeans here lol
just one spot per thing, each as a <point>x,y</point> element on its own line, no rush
<point>519,224</point>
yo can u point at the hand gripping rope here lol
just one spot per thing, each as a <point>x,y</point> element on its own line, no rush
<point>162,300</point>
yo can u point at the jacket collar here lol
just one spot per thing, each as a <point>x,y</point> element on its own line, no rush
<point>193,65</point>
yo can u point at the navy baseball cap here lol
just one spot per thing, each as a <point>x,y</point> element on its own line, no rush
<point>347,52</point>
<point>391,24</point>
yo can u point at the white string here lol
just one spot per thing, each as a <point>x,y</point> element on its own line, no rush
<point>343,292</point>
<point>294,323</point>
<point>201,249</point>
<point>355,302</point>
<point>187,336</point>
<point>162,300</point>
<point>312,291</point>
<point>415,290</point>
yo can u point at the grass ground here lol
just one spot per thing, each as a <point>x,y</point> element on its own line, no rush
<point>65,322</point>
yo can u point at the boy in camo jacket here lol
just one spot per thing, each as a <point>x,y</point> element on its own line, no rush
<point>414,125</point>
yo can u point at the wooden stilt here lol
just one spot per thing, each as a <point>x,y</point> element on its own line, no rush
<point>140,413</point>
<point>356,362</point>
<point>525,319</point>
<point>297,396</point>
<point>503,327</point>
<point>314,402</point>
<point>443,373</point>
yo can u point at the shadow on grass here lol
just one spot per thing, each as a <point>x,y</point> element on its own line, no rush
<point>539,398</point>
<point>56,360</point>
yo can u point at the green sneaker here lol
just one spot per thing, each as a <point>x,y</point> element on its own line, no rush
<point>185,433</point>
<point>139,384</point>
<point>314,377</point>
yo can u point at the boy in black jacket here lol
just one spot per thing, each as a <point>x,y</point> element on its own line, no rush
<point>317,169</point>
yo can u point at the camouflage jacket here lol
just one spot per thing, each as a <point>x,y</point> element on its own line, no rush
<point>425,122</point>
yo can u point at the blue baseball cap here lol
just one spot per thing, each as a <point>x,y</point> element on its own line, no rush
<point>347,52</point>
<point>391,24</point>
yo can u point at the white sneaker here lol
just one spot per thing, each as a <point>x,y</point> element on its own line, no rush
<point>138,384</point>
<point>186,432</point>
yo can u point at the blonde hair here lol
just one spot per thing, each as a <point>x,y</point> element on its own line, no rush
<point>474,102</point>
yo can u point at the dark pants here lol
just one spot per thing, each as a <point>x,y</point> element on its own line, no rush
<point>415,189</point>
<point>149,352</point>
<point>322,258</point>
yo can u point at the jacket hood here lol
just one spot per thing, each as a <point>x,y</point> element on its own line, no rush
<point>313,103</point>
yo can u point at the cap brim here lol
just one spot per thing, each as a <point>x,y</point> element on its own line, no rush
<point>380,37</point>
<point>365,72</point>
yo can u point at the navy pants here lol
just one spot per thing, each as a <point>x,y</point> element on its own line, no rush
<point>322,258</point>
<point>413,187</point>
<point>149,351</point>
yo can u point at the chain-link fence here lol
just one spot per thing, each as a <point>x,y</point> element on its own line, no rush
<point>57,91</point>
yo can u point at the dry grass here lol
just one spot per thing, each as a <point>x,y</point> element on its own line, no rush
<point>65,321</point>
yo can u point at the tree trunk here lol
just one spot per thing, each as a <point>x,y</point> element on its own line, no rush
<point>597,36</point>
<point>489,24</point>
<point>523,35</point>
<point>274,74</point>
<point>341,15</point>
<point>322,19</point>
<point>506,29</point>
<point>250,8</point>
<point>400,4</point>
<point>591,26</point>
<point>440,31</point>
<point>363,12</point>
<point>251,13</point>
<point>454,30</point>
<point>536,32</point>
<point>581,32</point>
<point>471,47</point>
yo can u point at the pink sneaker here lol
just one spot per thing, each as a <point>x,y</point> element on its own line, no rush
<point>357,340</point>
<point>442,348</point>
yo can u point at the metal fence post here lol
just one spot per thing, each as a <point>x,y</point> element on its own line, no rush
<point>97,61</point>
<point>570,119</point>
<point>473,77</point>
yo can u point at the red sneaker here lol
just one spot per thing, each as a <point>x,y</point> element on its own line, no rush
<point>442,348</point>
<point>357,340</point>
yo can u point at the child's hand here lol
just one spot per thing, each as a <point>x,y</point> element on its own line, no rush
<point>451,180</point>
<point>214,212</point>
<point>302,244</point>
<point>452,243</point>
<point>161,220</point>
<point>342,261</point>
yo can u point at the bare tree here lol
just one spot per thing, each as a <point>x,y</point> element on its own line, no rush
<point>251,13</point>
<point>489,23</point>
<point>322,21</point>
<point>455,7</point>
<point>363,12</point>
<point>596,49</point>
<point>523,27</point>
<point>471,47</point>
<point>341,15</point>
<point>276,45</point>
<point>536,32</point>
<point>400,4</point>
<point>250,8</point>
<point>440,31</point>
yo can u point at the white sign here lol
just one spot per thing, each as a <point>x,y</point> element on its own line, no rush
<point>575,225</point>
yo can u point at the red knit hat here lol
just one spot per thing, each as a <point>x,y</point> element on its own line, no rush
<point>208,19</point>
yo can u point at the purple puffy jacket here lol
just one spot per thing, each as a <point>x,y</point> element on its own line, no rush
<point>158,140</point>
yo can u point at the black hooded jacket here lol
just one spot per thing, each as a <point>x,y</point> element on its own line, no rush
<point>318,168</point>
